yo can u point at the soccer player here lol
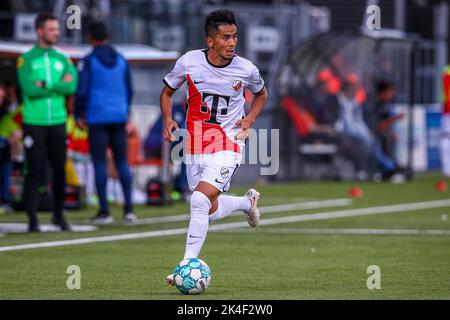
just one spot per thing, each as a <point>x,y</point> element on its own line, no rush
<point>216,124</point>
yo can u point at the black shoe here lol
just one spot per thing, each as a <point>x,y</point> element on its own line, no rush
<point>62,223</point>
<point>33,227</point>
<point>102,218</point>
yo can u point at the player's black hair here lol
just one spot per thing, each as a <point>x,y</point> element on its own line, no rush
<point>98,31</point>
<point>216,18</point>
<point>383,85</point>
<point>43,17</point>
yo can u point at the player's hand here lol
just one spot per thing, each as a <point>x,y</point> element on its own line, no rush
<point>129,128</point>
<point>169,126</point>
<point>67,78</point>
<point>81,123</point>
<point>244,126</point>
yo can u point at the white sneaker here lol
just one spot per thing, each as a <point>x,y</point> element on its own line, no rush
<point>102,219</point>
<point>130,218</point>
<point>253,213</point>
<point>170,281</point>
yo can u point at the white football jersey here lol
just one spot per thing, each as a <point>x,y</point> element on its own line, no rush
<point>215,99</point>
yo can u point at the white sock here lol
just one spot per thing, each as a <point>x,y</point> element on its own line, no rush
<point>228,205</point>
<point>198,224</point>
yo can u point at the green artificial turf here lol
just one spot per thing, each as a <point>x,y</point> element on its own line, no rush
<point>249,263</point>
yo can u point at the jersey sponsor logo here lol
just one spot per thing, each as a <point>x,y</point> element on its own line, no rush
<point>237,84</point>
<point>205,131</point>
<point>199,81</point>
<point>214,106</point>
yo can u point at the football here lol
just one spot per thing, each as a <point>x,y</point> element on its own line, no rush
<point>192,276</point>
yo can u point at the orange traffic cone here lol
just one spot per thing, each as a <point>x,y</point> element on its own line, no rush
<point>356,192</point>
<point>441,186</point>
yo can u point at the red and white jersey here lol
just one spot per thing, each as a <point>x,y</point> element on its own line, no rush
<point>215,99</point>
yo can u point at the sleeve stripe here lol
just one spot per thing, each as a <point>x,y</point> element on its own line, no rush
<point>168,85</point>
<point>260,91</point>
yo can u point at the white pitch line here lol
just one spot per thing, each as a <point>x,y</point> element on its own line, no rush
<point>23,228</point>
<point>126,236</point>
<point>347,231</point>
<point>177,218</point>
<point>280,220</point>
<point>305,205</point>
<point>264,210</point>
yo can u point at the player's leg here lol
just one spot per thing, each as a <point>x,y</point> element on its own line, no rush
<point>225,204</point>
<point>203,196</point>
<point>219,172</point>
<point>229,204</point>
<point>5,172</point>
<point>98,141</point>
<point>119,149</point>
<point>56,152</point>
<point>35,156</point>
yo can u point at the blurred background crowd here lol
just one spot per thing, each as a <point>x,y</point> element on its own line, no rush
<point>351,102</point>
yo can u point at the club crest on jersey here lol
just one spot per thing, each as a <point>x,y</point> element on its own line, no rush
<point>237,84</point>
<point>224,172</point>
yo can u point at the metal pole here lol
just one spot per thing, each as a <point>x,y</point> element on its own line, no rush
<point>412,102</point>
<point>400,10</point>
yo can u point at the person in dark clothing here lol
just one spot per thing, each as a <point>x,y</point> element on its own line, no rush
<point>153,142</point>
<point>385,93</point>
<point>5,153</point>
<point>103,102</point>
<point>46,77</point>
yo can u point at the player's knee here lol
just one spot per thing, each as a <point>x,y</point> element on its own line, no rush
<point>199,201</point>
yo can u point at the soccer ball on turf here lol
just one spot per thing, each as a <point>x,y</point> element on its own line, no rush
<point>192,276</point>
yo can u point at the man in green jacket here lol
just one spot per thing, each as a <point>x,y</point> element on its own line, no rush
<point>46,77</point>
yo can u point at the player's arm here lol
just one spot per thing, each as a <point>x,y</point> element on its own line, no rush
<point>30,88</point>
<point>257,105</point>
<point>257,87</point>
<point>129,87</point>
<point>68,84</point>
<point>255,109</point>
<point>165,101</point>
<point>82,92</point>
<point>173,81</point>
<point>389,122</point>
